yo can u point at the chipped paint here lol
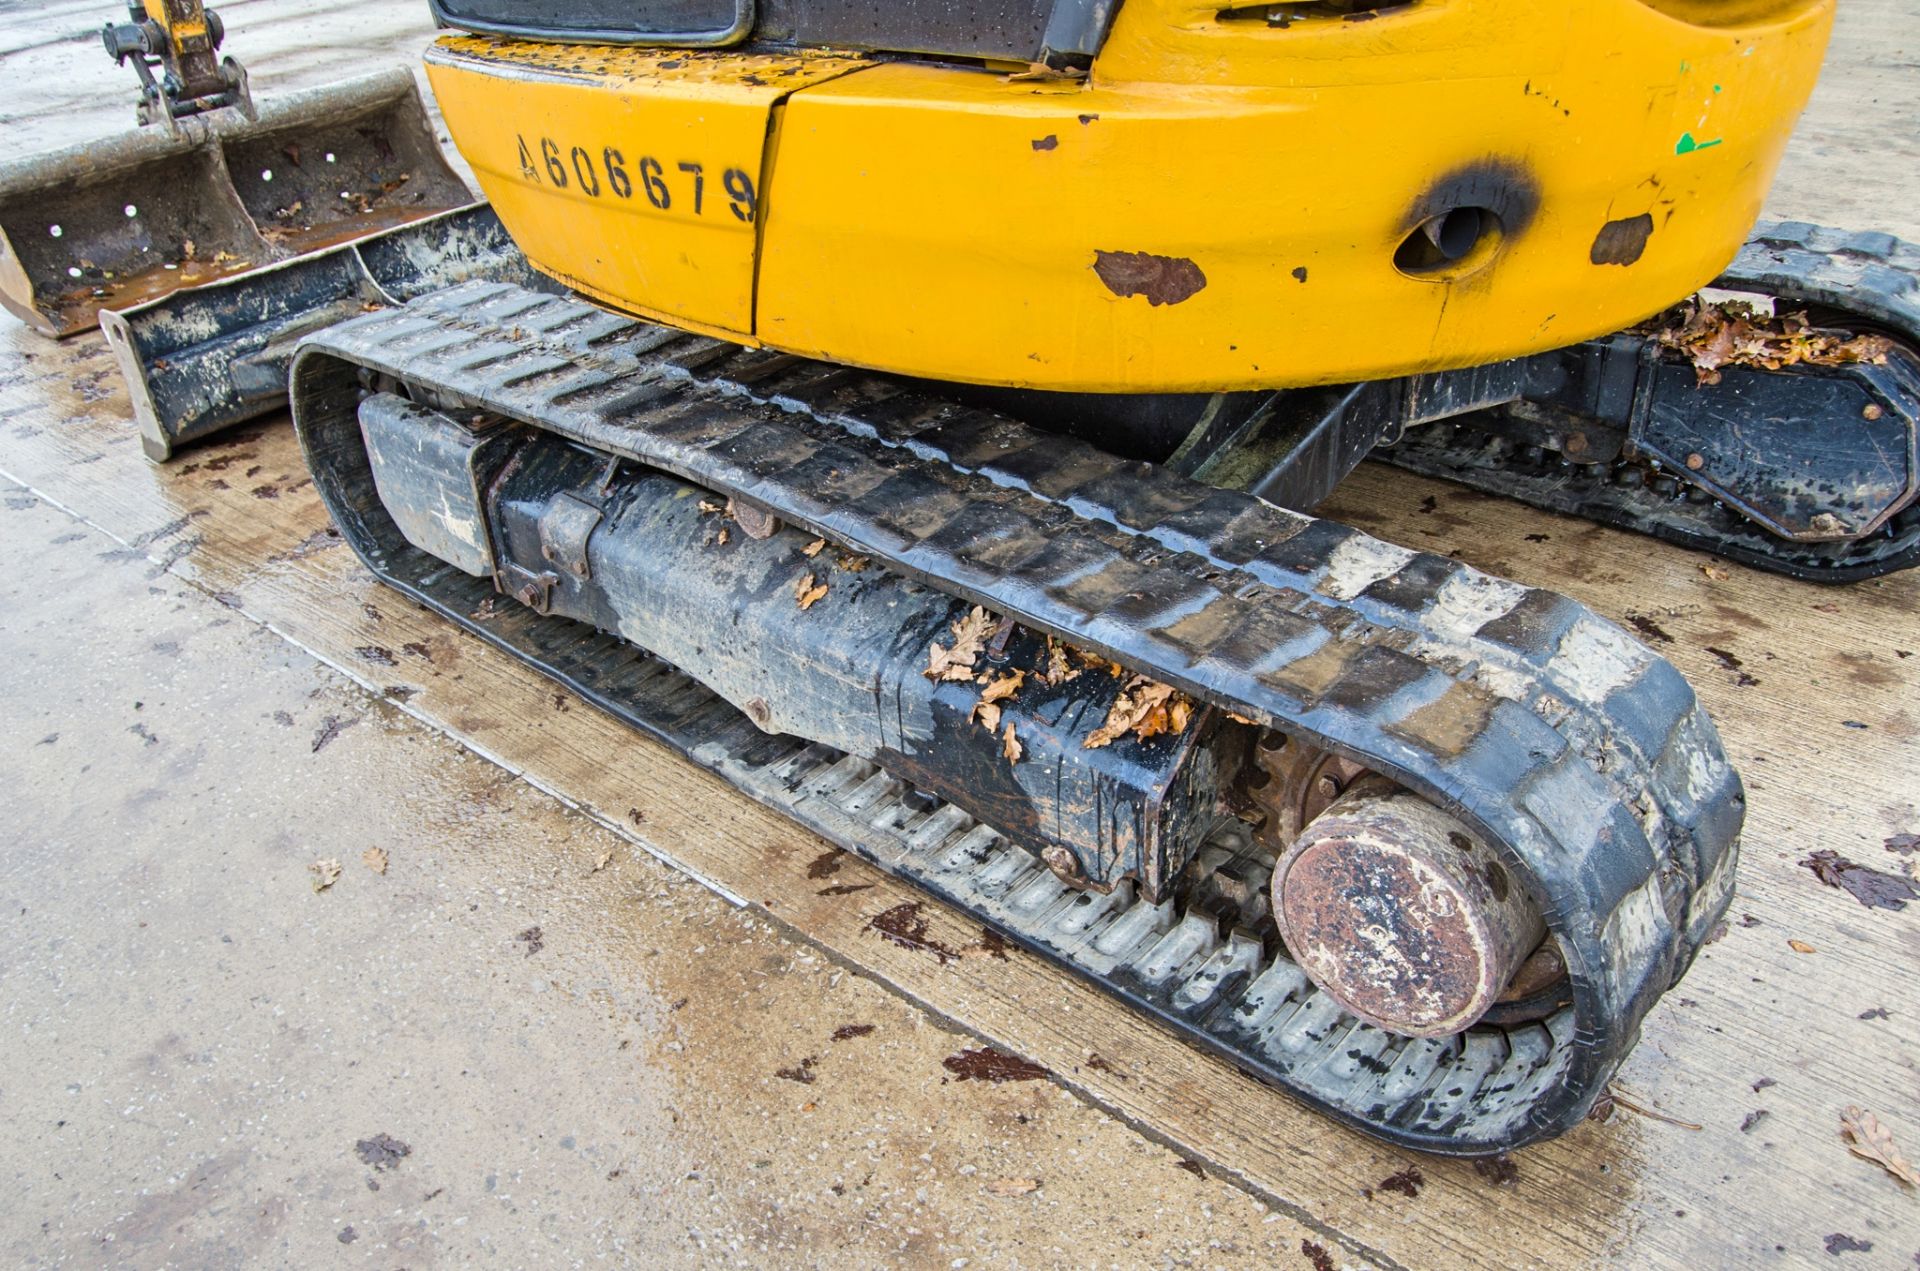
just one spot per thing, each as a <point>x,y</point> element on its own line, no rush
<point>1621,242</point>
<point>1163,280</point>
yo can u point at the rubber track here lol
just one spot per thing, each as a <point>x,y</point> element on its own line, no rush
<point>1553,732</point>
<point>1872,275</point>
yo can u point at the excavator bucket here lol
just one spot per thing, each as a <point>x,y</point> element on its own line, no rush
<point>115,224</point>
<point>205,358</point>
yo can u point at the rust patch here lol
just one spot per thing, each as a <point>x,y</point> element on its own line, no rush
<point>990,1065</point>
<point>1621,242</point>
<point>904,926</point>
<point>827,864</point>
<point>1163,280</point>
<point>847,1032</point>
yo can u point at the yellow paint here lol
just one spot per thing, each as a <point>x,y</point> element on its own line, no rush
<point>945,221</point>
<point>598,197</point>
<point>183,23</point>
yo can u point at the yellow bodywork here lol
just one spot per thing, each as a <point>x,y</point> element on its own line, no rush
<point>1218,206</point>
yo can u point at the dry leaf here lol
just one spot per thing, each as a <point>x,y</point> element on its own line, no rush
<point>1715,573</point>
<point>1042,73</point>
<point>1801,946</point>
<point>1010,745</point>
<point>1004,687</point>
<point>988,714</point>
<point>1013,1186</point>
<point>325,873</point>
<point>1238,718</point>
<point>1145,708</point>
<point>853,564</point>
<point>813,548</point>
<point>375,859</point>
<point>1733,333</point>
<point>956,662</point>
<point>720,539</point>
<point>1059,668</point>
<point>807,592</point>
<point>1871,887</point>
<point>1871,1141</point>
<point>711,506</point>
<point>601,861</point>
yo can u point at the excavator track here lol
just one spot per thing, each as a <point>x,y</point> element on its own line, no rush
<point>1859,281</point>
<point>1580,756</point>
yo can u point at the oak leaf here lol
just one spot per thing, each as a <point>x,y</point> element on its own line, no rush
<point>1144,708</point>
<point>955,662</point>
<point>1870,1140</point>
<point>1004,687</point>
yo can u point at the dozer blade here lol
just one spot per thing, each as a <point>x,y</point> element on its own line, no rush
<point>116,223</point>
<point>206,358</point>
<point>1808,470</point>
<point>552,477</point>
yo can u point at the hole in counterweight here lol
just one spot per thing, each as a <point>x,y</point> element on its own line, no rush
<point>1445,239</point>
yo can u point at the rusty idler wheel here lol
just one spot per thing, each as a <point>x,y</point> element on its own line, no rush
<point>1389,903</point>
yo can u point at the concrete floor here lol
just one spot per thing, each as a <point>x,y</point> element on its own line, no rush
<point>592,1057</point>
<point>200,1039</point>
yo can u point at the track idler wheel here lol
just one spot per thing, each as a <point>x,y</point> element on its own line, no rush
<point>1400,913</point>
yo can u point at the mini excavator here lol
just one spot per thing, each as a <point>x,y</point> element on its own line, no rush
<point>919,421</point>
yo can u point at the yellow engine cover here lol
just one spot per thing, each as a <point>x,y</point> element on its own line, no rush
<point>1223,204</point>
